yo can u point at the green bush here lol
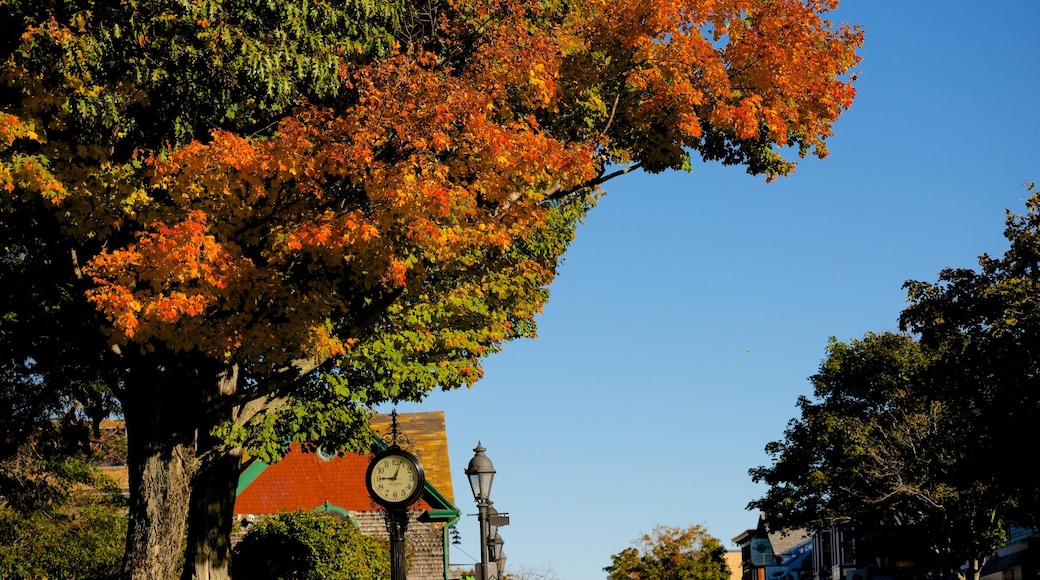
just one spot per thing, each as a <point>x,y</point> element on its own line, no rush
<point>309,546</point>
<point>85,543</point>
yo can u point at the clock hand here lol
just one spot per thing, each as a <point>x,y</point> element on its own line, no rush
<point>392,477</point>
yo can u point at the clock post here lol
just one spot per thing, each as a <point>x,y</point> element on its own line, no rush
<point>395,480</point>
<point>396,525</point>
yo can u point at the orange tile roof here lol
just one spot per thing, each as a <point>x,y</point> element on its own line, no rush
<point>306,481</point>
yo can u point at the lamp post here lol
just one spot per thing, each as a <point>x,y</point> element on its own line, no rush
<point>481,473</point>
<point>496,552</point>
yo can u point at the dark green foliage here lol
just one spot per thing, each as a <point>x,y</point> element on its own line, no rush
<point>148,74</point>
<point>883,444</point>
<point>986,322</point>
<point>924,431</point>
<point>309,546</point>
<point>83,540</point>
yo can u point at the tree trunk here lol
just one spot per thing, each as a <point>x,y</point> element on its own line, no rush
<point>161,465</point>
<point>183,481</point>
<point>210,516</point>
<point>158,512</point>
<point>974,565</point>
<point>215,487</point>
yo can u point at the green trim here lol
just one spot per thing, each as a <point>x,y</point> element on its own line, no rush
<point>439,503</point>
<point>448,516</point>
<point>249,474</point>
<point>337,511</point>
<point>445,548</point>
<point>441,510</point>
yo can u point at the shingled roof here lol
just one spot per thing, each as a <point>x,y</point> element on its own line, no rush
<point>310,480</point>
<point>429,440</point>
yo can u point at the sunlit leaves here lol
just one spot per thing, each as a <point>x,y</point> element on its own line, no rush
<point>672,553</point>
<point>379,188</point>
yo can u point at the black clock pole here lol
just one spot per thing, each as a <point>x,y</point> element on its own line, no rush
<point>396,524</point>
<point>395,480</point>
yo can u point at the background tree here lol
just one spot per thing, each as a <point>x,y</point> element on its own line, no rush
<point>60,517</point>
<point>886,444</point>
<point>919,433</point>
<point>251,219</point>
<point>525,572</point>
<point>309,546</point>
<point>986,324</point>
<point>672,554</point>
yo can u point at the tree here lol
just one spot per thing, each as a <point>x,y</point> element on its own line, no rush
<point>60,517</point>
<point>254,221</point>
<point>886,444</point>
<point>525,572</point>
<point>309,545</point>
<point>672,554</point>
<point>986,322</point>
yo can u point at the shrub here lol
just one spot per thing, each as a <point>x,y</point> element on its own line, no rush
<point>309,546</point>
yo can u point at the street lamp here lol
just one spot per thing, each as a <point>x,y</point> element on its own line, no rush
<point>481,473</point>
<point>496,551</point>
<point>493,519</point>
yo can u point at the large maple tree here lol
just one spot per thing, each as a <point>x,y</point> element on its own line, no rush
<point>254,221</point>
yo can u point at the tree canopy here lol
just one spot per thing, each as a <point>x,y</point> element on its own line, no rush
<point>254,221</point>
<point>671,554</point>
<point>883,446</point>
<point>917,430</point>
<point>985,322</point>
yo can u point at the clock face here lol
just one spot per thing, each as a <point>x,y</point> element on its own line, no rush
<point>395,478</point>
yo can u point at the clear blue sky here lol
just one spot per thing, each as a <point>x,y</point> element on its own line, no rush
<point>692,307</point>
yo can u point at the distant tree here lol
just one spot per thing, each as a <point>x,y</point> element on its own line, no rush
<point>986,325</point>
<point>60,517</point>
<point>919,430</point>
<point>526,572</point>
<point>884,443</point>
<point>309,546</point>
<point>672,554</point>
<point>84,541</point>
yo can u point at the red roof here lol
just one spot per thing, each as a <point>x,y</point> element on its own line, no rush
<point>306,481</point>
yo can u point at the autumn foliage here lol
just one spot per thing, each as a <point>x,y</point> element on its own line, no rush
<point>341,203</point>
<point>444,146</point>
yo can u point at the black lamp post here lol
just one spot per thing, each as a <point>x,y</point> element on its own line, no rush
<point>481,473</point>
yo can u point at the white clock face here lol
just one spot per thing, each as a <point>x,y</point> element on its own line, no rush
<point>394,478</point>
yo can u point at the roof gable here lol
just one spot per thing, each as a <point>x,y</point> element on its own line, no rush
<point>428,438</point>
<point>307,480</point>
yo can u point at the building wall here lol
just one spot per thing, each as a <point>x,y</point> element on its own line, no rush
<point>733,561</point>
<point>424,543</point>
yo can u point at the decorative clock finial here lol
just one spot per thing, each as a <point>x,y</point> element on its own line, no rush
<point>393,427</point>
<point>394,438</point>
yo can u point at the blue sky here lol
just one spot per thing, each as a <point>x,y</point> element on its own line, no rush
<point>692,307</point>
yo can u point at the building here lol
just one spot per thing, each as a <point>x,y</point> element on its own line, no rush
<point>1017,560</point>
<point>320,481</point>
<point>840,553</point>
<point>766,555</point>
